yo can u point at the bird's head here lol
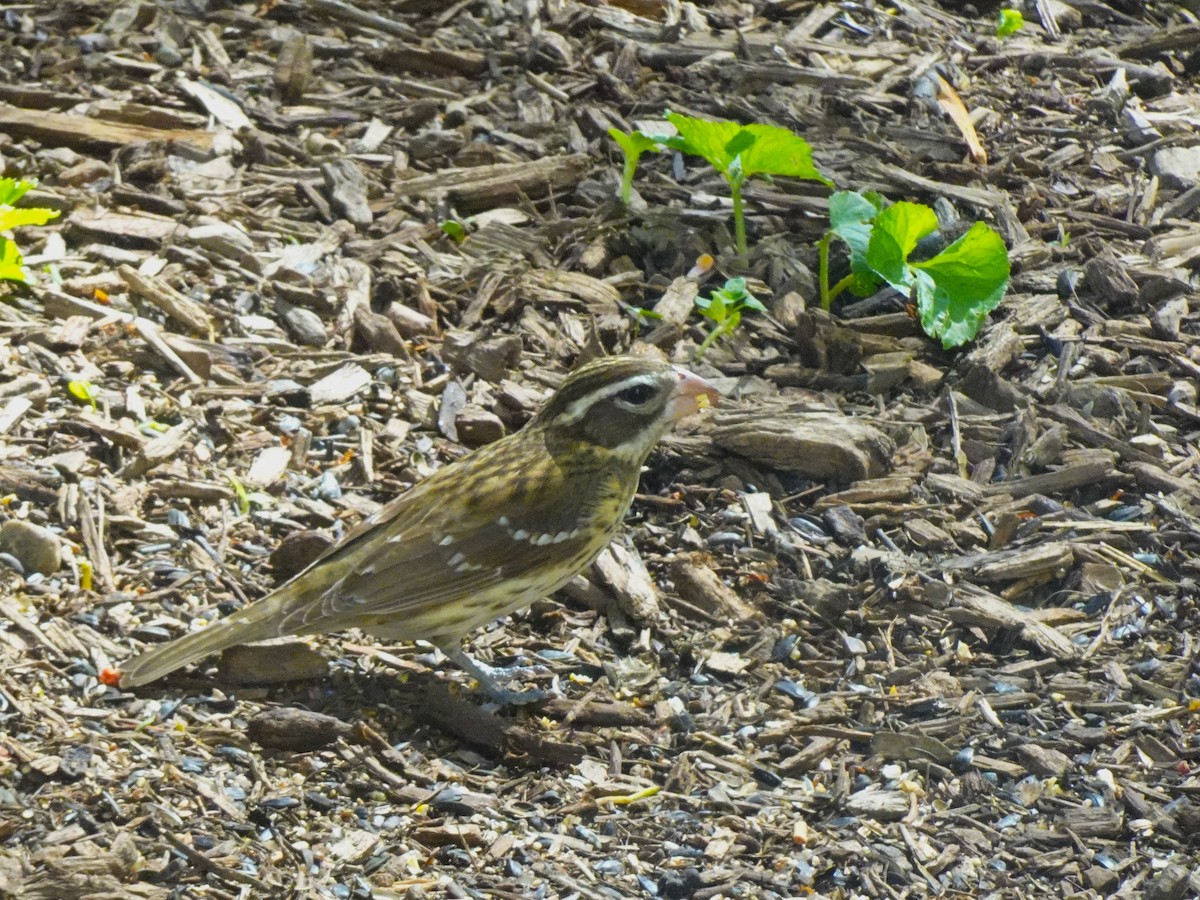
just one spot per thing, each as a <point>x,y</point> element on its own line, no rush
<point>623,403</point>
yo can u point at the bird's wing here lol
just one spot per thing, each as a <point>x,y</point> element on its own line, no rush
<point>450,537</point>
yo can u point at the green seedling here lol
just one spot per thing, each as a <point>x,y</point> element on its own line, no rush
<point>725,308</point>
<point>851,215</point>
<point>243,498</point>
<point>12,263</point>
<point>1009,22</point>
<point>454,230</point>
<point>953,291</point>
<point>640,315</point>
<point>633,144</point>
<point>740,152</point>
<point>84,392</point>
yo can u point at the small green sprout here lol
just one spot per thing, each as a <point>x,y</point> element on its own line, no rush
<point>454,230</point>
<point>1009,22</point>
<point>84,392</point>
<point>12,263</point>
<point>850,217</point>
<point>639,316</point>
<point>243,498</point>
<point>633,144</point>
<point>740,152</point>
<point>725,308</point>
<point>954,291</point>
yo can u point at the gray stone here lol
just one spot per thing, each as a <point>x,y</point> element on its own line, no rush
<point>271,663</point>
<point>305,326</point>
<point>1178,167</point>
<point>477,427</point>
<point>35,548</point>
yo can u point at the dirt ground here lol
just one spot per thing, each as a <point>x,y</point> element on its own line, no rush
<point>893,621</point>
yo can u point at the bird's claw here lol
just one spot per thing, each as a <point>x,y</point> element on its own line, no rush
<point>506,697</point>
<point>492,679</point>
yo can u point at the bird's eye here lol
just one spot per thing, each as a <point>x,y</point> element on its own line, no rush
<point>636,395</point>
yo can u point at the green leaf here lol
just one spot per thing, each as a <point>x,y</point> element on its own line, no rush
<point>896,232</point>
<point>242,497</point>
<point>12,266</point>
<point>640,312</point>
<point>959,287</point>
<point>848,208</point>
<point>12,190</point>
<point>716,308</point>
<point>706,138</point>
<point>1009,22</point>
<point>778,151</point>
<point>634,143</point>
<point>83,391</point>
<point>454,230</point>
<point>740,151</point>
<point>14,218</point>
<point>850,218</point>
<point>734,289</point>
<point>726,304</point>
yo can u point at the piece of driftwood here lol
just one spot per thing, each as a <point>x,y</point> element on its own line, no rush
<point>180,308</point>
<point>699,585</point>
<point>485,729</point>
<point>815,444</point>
<point>1007,565</point>
<point>975,606</point>
<point>485,187</point>
<point>60,129</point>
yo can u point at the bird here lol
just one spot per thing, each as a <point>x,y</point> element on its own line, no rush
<point>480,538</point>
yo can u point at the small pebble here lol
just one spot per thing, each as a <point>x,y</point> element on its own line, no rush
<point>37,549</point>
<point>258,664</point>
<point>300,730</point>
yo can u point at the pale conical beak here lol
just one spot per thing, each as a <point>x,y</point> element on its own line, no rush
<point>692,394</point>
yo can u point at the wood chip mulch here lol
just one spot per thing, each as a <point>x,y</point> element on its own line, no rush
<point>892,622</point>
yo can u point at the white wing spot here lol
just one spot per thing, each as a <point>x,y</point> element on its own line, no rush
<point>543,539</point>
<point>446,541</point>
<point>503,521</point>
<point>520,535</point>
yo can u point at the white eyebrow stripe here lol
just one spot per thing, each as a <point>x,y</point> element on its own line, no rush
<point>579,408</point>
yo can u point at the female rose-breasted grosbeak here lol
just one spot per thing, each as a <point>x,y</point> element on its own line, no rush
<point>483,536</point>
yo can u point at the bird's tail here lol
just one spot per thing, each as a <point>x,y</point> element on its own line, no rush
<point>257,622</point>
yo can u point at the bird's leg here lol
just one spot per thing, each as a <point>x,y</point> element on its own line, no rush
<point>489,677</point>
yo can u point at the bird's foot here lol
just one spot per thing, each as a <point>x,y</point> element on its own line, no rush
<point>508,697</point>
<point>493,678</point>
